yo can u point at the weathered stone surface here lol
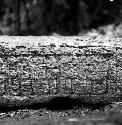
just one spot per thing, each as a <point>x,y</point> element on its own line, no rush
<point>33,66</point>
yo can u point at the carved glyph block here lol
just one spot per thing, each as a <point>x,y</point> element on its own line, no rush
<point>41,68</point>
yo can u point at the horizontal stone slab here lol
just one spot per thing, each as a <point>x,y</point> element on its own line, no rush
<point>86,68</point>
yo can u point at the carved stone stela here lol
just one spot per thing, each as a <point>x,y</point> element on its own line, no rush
<point>33,70</point>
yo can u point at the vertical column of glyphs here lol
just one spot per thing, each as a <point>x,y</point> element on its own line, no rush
<point>119,69</point>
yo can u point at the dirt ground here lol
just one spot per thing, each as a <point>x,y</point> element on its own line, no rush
<point>108,115</point>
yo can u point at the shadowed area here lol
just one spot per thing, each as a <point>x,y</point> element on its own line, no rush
<point>56,104</point>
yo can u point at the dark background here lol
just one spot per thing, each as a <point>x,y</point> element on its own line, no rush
<point>64,17</point>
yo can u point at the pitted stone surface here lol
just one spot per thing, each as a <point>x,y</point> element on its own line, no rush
<point>43,67</point>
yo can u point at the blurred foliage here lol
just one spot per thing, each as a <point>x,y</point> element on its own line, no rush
<point>65,17</point>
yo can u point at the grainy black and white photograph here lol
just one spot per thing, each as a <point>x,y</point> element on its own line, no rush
<point>60,62</point>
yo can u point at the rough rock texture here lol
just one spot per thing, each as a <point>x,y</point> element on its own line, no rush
<point>37,69</point>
